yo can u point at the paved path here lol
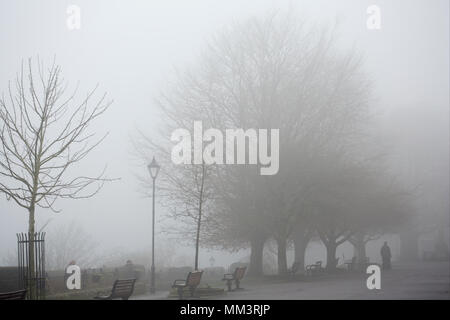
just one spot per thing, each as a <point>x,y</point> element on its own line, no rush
<point>429,280</point>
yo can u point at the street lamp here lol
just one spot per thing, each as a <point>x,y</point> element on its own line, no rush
<point>153,168</point>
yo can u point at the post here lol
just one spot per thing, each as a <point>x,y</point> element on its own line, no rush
<point>153,169</point>
<point>152,279</point>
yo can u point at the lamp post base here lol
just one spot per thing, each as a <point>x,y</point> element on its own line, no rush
<point>152,280</point>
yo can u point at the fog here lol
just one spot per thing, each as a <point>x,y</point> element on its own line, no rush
<point>133,50</point>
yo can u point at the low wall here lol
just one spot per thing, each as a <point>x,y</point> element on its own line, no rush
<point>9,279</point>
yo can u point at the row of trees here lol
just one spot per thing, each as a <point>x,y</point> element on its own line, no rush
<point>279,72</point>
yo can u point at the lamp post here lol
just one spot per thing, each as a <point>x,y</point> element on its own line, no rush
<point>153,168</point>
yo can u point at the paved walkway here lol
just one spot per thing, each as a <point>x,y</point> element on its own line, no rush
<point>423,280</point>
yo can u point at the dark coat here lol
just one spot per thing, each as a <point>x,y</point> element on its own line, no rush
<point>385,252</point>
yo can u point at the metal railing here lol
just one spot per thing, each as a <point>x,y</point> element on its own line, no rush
<point>33,281</point>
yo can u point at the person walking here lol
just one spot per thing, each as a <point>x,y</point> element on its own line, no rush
<point>386,256</point>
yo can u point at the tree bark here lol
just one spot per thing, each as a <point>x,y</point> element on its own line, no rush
<point>359,247</point>
<point>256,256</point>
<point>31,255</point>
<point>300,243</point>
<point>281,253</point>
<point>331,256</point>
<point>199,220</point>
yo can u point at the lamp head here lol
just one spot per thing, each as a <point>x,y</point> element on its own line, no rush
<point>153,168</point>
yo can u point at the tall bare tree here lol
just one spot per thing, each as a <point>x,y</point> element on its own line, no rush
<point>184,190</point>
<point>43,134</point>
<point>275,72</point>
<point>280,72</point>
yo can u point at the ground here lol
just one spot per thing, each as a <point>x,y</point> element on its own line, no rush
<point>422,280</point>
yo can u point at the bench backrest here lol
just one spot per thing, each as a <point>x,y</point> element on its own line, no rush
<point>14,295</point>
<point>239,273</point>
<point>123,288</point>
<point>193,278</point>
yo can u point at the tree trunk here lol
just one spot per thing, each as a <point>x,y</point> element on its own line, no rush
<point>199,220</point>
<point>282,258</point>
<point>360,247</point>
<point>300,244</point>
<point>331,256</point>
<point>197,242</point>
<point>256,256</point>
<point>31,256</point>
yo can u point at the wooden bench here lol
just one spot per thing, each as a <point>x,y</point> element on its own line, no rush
<point>14,295</point>
<point>191,282</point>
<point>314,269</point>
<point>122,289</point>
<point>236,276</point>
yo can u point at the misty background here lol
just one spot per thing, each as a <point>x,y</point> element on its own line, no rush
<point>131,48</point>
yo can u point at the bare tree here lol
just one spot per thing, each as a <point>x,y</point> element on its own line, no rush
<point>279,72</point>
<point>354,201</point>
<point>184,190</point>
<point>386,208</point>
<point>272,72</point>
<point>43,134</point>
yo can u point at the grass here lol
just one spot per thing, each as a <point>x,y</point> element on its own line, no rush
<point>89,294</point>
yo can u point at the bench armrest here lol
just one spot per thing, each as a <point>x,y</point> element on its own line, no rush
<point>179,282</point>
<point>228,276</point>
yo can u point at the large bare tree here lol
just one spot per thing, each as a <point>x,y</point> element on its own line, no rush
<point>276,72</point>
<point>44,133</point>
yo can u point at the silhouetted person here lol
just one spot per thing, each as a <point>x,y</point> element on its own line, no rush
<point>386,256</point>
<point>129,269</point>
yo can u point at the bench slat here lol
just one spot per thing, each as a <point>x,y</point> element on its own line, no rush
<point>192,281</point>
<point>14,295</point>
<point>122,288</point>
